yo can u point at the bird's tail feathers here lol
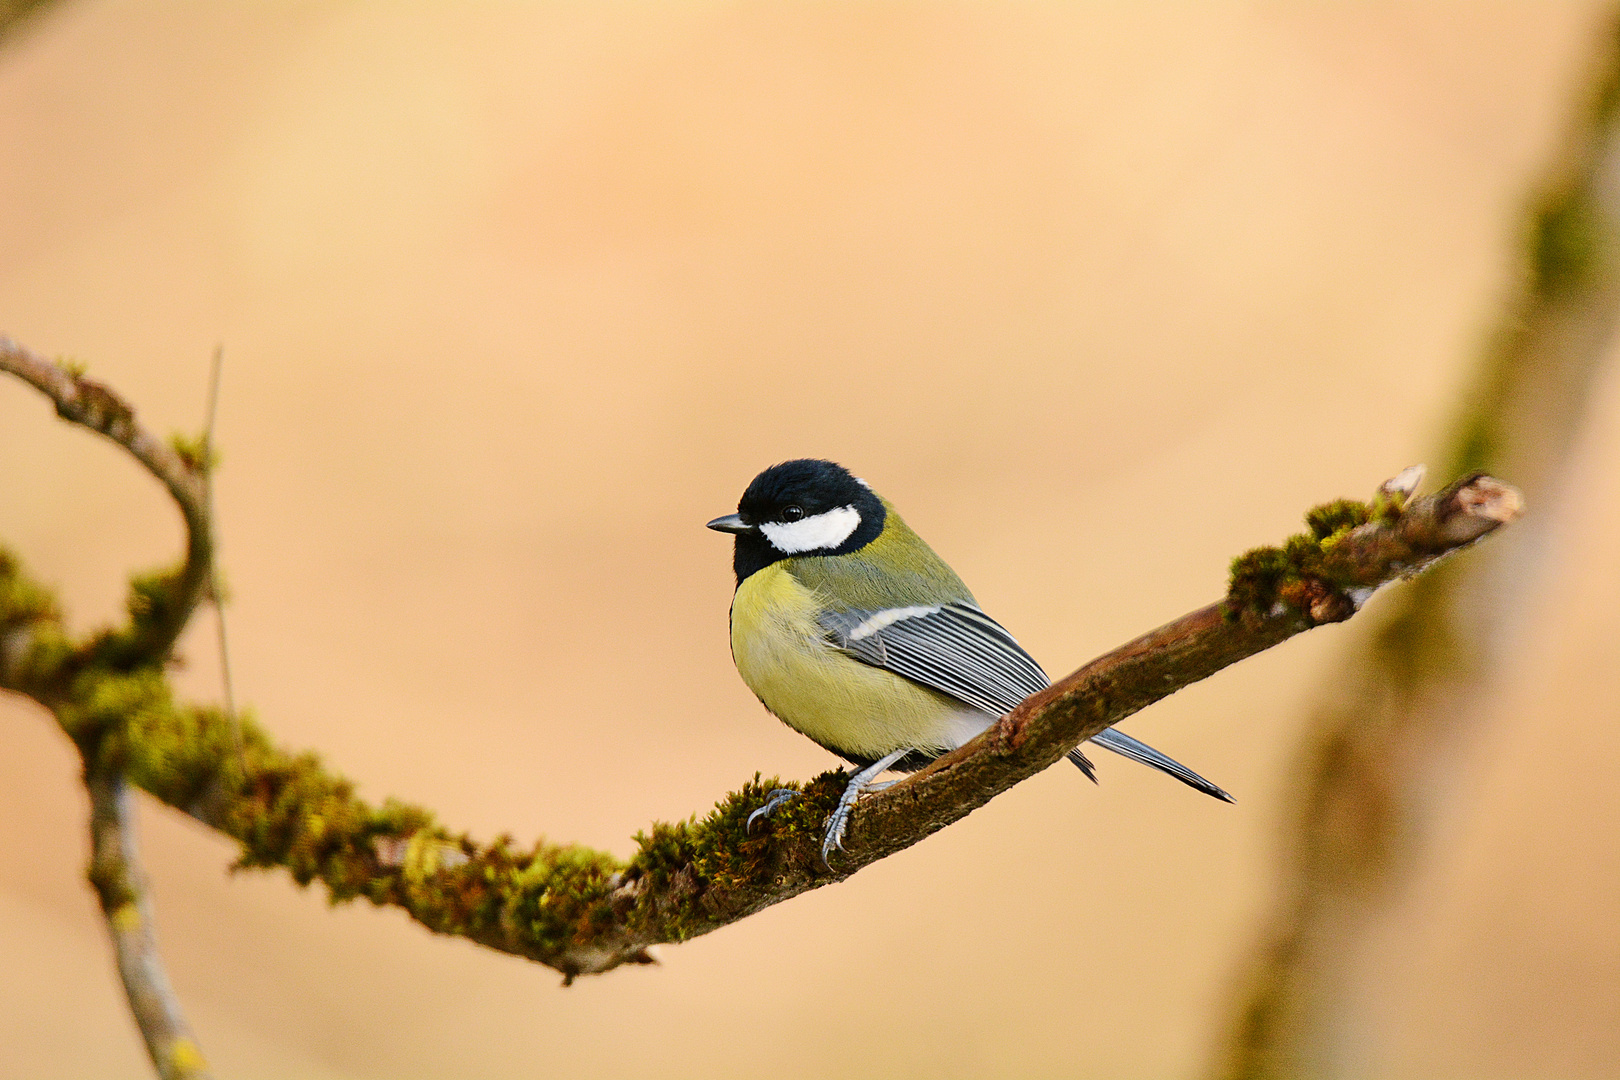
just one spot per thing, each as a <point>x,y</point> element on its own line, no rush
<point>1084,764</point>
<point>1123,744</point>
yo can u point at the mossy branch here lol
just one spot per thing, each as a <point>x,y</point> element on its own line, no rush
<point>583,911</point>
<point>162,603</point>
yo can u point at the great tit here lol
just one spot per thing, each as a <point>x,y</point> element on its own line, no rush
<point>849,628</point>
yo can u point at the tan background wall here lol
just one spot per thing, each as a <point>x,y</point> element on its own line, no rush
<point>515,297</point>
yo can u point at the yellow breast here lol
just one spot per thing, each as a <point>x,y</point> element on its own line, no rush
<point>849,707</point>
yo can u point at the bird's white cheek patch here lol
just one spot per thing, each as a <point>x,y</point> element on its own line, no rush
<point>826,530</point>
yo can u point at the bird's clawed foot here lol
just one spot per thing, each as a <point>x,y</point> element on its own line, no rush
<point>773,802</point>
<point>837,822</point>
<point>862,781</point>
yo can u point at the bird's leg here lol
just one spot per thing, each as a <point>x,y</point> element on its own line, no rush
<point>838,820</point>
<point>773,802</point>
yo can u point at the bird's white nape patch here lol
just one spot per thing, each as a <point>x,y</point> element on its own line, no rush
<point>888,617</point>
<point>821,532</point>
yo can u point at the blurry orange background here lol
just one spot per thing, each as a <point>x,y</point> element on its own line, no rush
<point>514,297</point>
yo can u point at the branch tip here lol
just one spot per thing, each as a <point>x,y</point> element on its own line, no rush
<point>1489,499</point>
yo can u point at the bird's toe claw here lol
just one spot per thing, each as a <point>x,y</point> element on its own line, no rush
<point>833,841</point>
<point>773,802</point>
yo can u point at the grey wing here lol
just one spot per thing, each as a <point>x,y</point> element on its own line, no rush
<point>957,649</point>
<point>953,648</point>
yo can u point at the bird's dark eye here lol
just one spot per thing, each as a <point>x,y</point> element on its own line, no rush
<point>792,513</point>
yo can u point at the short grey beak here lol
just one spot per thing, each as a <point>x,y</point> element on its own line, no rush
<point>731,523</point>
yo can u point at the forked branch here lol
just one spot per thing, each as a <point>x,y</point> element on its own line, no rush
<point>164,603</point>
<point>49,667</point>
<point>582,911</point>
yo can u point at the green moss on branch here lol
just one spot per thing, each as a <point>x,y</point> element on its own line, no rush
<point>1313,574</point>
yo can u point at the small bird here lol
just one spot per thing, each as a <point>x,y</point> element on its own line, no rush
<point>849,628</point>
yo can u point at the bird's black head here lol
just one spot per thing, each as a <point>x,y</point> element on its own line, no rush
<point>802,507</point>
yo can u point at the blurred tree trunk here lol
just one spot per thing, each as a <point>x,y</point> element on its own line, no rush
<point>1375,758</point>
<point>16,13</point>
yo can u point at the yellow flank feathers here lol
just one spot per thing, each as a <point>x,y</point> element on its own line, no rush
<point>848,707</point>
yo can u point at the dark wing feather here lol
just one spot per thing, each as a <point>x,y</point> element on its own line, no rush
<point>953,648</point>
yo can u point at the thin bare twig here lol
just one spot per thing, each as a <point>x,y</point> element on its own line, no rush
<point>216,369</point>
<point>582,911</point>
<point>115,872</point>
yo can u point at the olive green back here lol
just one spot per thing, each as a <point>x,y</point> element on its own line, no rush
<point>896,570</point>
